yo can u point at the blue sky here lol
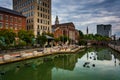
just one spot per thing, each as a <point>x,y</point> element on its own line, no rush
<point>84,13</point>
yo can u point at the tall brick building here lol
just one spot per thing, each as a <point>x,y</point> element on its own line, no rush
<point>65,29</point>
<point>38,13</point>
<point>10,19</point>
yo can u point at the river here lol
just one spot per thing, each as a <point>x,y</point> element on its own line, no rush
<point>97,63</point>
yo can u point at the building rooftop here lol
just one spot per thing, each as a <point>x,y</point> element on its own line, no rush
<point>104,25</point>
<point>63,24</point>
<point>10,11</point>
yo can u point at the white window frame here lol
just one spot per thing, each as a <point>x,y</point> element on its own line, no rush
<point>1,17</point>
<point>2,25</point>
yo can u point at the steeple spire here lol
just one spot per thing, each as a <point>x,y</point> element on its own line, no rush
<point>57,20</point>
<point>87,30</point>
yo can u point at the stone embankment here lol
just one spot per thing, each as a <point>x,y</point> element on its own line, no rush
<point>23,55</point>
<point>115,47</point>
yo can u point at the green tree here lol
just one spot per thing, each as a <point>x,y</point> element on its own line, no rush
<point>81,35</point>
<point>41,40</point>
<point>26,36</point>
<point>57,39</point>
<point>8,36</point>
<point>21,44</point>
<point>82,42</point>
<point>101,38</point>
<point>63,38</point>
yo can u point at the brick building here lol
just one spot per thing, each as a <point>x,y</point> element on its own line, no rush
<point>65,29</point>
<point>10,19</point>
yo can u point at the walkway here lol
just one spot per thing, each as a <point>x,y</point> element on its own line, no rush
<point>115,47</point>
<point>23,55</point>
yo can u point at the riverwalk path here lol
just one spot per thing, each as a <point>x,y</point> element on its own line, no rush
<point>115,47</point>
<point>23,55</point>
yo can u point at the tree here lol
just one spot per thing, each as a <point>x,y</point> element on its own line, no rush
<point>101,38</point>
<point>82,42</point>
<point>8,36</point>
<point>81,34</point>
<point>63,38</point>
<point>57,39</point>
<point>41,40</point>
<point>26,36</point>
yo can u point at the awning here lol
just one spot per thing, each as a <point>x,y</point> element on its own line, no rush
<point>49,37</point>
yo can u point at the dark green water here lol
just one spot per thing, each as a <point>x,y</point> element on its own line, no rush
<point>92,64</point>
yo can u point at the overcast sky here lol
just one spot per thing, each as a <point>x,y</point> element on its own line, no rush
<point>84,13</point>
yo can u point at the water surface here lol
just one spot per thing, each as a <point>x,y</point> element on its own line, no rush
<point>91,64</point>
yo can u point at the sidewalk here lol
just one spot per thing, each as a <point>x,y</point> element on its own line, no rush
<point>115,47</point>
<point>28,54</point>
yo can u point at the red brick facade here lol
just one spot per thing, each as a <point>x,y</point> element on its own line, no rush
<point>12,21</point>
<point>66,29</point>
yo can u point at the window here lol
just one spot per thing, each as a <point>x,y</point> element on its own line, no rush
<point>41,14</point>
<point>31,26</point>
<point>6,17</point>
<point>11,26</point>
<point>27,28</point>
<point>32,20</point>
<point>38,26</point>
<point>15,19</point>
<point>39,1</point>
<point>11,19</point>
<point>6,25</point>
<point>48,29</point>
<point>38,8</point>
<point>38,14</point>
<point>32,13</point>
<point>19,27</point>
<point>41,21</point>
<point>19,20</point>
<point>48,17</point>
<point>32,7</point>
<point>15,26</point>
<point>1,17</point>
<point>1,25</point>
<point>48,22</point>
<point>38,20</point>
<point>48,11</point>
<point>41,28</point>
<point>38,33</point>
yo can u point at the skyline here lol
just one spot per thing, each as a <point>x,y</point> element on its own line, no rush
<point>84,13</point>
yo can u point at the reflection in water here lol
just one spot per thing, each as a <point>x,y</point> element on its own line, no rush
<point>39,69</point>
<point>65,66</point>
<point>104,55</point>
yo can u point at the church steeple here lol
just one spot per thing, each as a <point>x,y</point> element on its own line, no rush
<point>57,20</point>
<point>87,31</point>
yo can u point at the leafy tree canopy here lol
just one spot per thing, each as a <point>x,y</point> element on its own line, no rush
<point>26,36</point>
<point>7,36</point>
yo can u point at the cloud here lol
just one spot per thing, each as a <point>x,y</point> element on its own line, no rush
<point>89,13</point>
<point>84,13</point>
<point>6,3</point>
